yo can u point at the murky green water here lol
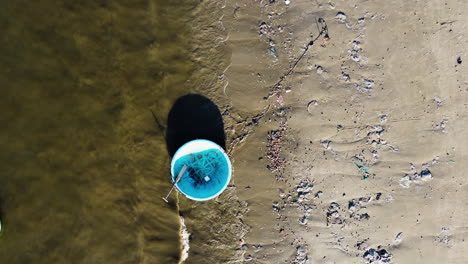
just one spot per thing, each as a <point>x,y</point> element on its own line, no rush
<point>82,164</point>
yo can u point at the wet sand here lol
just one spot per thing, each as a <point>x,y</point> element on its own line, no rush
<point>359,156</point>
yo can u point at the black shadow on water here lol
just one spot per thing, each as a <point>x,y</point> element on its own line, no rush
<point>194,116</point>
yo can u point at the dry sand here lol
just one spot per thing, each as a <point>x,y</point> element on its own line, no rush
<point>360,155</point>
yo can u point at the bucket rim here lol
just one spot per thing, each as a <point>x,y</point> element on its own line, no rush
<point>214,145</point>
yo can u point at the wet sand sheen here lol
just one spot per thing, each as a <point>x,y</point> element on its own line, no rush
<point>83,164</point>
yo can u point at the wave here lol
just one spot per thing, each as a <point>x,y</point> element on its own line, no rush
<point>184,240</point>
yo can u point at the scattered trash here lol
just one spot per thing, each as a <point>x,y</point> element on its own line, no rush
<point>383,118</point>
<point>352,205</point>
<point>257,246</point>
<point>438,101</point>
<point>341,17</point>
<point>444,237</point>
<point>459,60</point>
<point>426,175</point>
<point>280,99</point>
<point>366,85</point>
<point>287,2</point>
<point>377,256</point>
<point>377,197</point>
<point>326,144</point>
<point>345,77</point>
<point>362,245</point>
<point>429,164</point>
<point>274,146</point>
<point>319,69</point>
<point>311,104</point>
<point>441,126</point>
<point>362,167</point>
<point>301,256</point>
<point>406,180</point>
<point>354,52</point>
<point>399,237</point>
<point>364,216</point>
<point>265,29</point>
<point>333,215</point>
<point>272,52</point>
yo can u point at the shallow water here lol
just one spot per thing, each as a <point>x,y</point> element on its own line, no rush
<point>83,164</point>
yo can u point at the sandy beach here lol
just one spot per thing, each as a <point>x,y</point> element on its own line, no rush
<point>345,121</point>
<point>359,155</point>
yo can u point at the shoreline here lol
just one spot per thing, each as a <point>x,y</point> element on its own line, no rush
<point>344,146</point>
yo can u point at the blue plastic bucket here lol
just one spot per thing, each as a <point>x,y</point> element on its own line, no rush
<point>208,169</point>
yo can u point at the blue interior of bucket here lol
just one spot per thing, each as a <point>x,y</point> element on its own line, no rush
<point>206,174</point>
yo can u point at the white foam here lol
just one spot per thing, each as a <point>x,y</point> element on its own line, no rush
<point>184,239</point>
